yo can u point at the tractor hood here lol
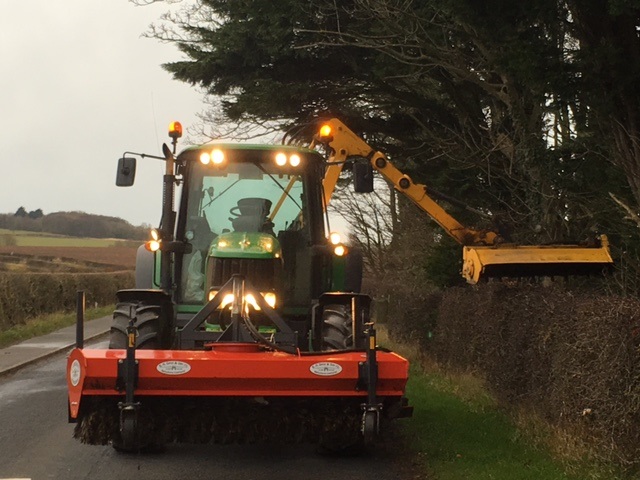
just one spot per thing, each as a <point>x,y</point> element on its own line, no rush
<point>245,245</point>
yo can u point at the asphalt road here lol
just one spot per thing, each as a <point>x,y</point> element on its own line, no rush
<point>36,443</point>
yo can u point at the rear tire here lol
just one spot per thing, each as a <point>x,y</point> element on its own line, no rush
<point>337,328</point>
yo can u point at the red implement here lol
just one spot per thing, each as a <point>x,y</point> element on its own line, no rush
<point>232,373</point>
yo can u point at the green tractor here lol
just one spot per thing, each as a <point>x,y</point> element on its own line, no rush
<point>255,211</point>
<point>246,310</point>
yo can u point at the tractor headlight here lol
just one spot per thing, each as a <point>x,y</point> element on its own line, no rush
<point>340,250</point>
<point>227,300</point>
<point>217,156</point>
<point>251,300</point>
<point>281,159</point>
<point>266,244</point>
<point>153,245</point>
<point>294,160</point>
<point>269,297</point>
<point>335,238</point>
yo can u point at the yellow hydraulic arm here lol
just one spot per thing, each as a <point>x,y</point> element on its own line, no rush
<point>344,144</point>
<point>484,253</point>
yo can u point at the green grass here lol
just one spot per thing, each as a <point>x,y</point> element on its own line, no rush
<point>459,432</point>
<point>470,438</point>
<point>47,324</point>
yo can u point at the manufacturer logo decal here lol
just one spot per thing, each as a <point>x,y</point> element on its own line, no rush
<point>173,367</point>
<point>325,369</point>
<point>74,373</point>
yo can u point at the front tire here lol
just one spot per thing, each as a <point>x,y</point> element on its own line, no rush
<point>149,321</point>
<point>344,438</point>
<point>152,321</point>
<point>337,328</point>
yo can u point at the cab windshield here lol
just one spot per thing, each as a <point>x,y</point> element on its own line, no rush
<point>240,197</point>
<point>245,197</point>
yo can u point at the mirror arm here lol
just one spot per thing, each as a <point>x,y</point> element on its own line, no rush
<point>143,155</point>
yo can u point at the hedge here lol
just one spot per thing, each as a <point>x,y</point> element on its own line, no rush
<point>28,295</point>
<point>572,357</point>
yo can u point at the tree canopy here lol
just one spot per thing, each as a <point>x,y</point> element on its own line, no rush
<point>527,111</point>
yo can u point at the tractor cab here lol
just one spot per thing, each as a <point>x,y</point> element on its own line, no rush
<point>254,211</point>
<point>252,215</point>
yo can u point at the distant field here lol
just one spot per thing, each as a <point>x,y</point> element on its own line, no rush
<point>40,274</point>
<point>42,252</point>
<point>4,231</point>
<point>92,257</point>
<point>37,239</point>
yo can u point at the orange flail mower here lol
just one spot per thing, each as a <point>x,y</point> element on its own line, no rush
<point>232,373</point>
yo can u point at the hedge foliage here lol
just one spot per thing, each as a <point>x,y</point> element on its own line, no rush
<point>572,357</point>
<point>28,295</point>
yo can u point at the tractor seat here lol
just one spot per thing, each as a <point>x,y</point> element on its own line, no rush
<point>252,215</point>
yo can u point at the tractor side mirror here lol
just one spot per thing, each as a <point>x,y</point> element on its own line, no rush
<point>126,172</point>
<point>362,177</point>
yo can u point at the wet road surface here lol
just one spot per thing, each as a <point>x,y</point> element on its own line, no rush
<point>36,443</point>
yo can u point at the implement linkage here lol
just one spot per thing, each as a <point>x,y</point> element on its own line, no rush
<point>128,381</point>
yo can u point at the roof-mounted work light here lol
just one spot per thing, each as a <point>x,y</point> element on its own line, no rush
<point>175,130</point>
<point>324,134</point>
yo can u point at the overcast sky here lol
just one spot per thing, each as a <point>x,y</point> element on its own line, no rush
<point>79,86</point>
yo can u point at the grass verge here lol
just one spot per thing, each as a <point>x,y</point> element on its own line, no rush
<point>460,439</point>
<point>47,324</point>
<point>459,432</point>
